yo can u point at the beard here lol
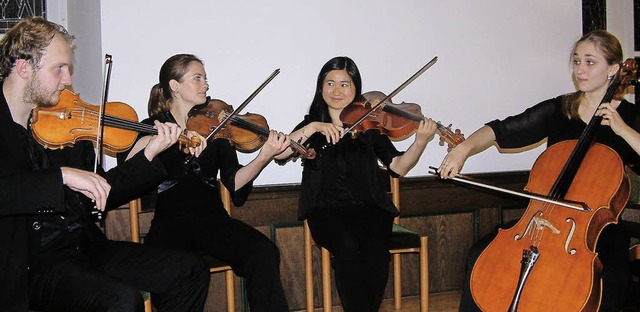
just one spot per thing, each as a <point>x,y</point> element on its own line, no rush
<point>35,93</point>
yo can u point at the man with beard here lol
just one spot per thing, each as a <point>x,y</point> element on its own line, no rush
<point>52,256</point>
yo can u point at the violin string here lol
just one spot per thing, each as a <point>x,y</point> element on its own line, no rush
<point>249,126</point>
<point>262,131</point>
<point>364,117</point>
<point>444,131</point>
<point>117,121</point>
<point>136,126</point>
<point>393,93</point>
<point>402,113</point>
<point>91,117</point>
<point>125,124</point>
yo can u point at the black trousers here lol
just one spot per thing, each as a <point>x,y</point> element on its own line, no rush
<point>111,277</point>
<point>251,254</point>
<point>358,239</point>
<point>612,249</point>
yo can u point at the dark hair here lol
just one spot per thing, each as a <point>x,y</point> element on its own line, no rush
<point>28,41</point>
<point>174,68</point>
<point>607,44</point>
<point>319,111</point>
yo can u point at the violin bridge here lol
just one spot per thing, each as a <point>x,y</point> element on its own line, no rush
<point>64,115</point>
<point>60,114</point>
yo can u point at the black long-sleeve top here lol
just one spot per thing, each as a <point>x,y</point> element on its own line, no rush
<point>347,173</point>
<point>32,193</point>
<point>546,120</point>
<point>191,188</point>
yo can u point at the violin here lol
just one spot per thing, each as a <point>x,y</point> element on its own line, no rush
<point>247,132</point>
<point>374,110</point>
<point>73,120</point>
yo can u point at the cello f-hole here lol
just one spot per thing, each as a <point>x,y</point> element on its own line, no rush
<point>571,251</point>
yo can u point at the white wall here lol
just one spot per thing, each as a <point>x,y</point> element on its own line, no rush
<point>84,24</point>
<point>496,57</point>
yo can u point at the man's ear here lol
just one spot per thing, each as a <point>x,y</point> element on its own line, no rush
<point>23,68</point>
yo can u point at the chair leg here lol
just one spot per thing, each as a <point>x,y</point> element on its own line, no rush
<point>308,268</point>
<point>397,281</point>
<point>231,298</point>
<point>326,280</point>
<point>424,274</point>
<point>147,305</point>
<point>134,210</point>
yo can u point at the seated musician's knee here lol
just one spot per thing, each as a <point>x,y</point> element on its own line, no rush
<point>121,299</point>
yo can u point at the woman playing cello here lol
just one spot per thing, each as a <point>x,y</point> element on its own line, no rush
<point>596,61</point>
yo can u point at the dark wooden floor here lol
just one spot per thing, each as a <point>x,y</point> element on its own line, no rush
<point>439,302</point>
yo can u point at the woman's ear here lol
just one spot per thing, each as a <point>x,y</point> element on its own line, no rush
<point>613,69</point>
<point>174,85</point>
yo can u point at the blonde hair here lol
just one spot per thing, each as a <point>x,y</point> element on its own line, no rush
<point>28,41</point>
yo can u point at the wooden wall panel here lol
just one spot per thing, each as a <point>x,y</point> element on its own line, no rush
<point>453,216</point>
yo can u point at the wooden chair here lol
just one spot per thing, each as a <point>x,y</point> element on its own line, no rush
<point>135,208</point>
<point>402,241</point>
<point>215,265</point>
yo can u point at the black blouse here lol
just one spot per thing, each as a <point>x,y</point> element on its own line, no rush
<point>191,188</point>
<point>347,173</point>
<point>546,120</point>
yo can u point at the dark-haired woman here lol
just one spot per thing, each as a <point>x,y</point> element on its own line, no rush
<point>343,193</point>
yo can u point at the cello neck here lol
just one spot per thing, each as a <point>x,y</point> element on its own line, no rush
<point>564,180</point>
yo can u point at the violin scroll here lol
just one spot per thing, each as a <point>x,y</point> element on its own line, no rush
<point>452,138</point>
<point>184,142</point>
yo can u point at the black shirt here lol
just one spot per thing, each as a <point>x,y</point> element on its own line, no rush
<point>347,173</point>
<point>546,120</point>
<point>191,188</point>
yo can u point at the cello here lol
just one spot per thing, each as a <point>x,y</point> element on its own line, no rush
<point>547,260</point>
